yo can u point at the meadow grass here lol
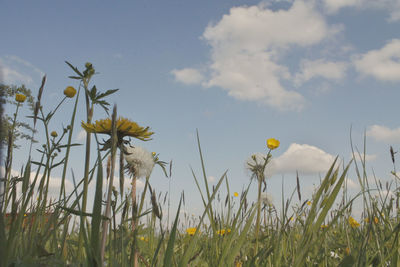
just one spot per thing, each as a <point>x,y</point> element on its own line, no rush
<point>119,230</point>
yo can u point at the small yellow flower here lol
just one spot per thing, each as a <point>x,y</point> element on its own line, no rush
<point>70,92</point>
<point>223,232</point>
<point>236,194</point>
<point>309,203</point>
<point>272,143</point>
<point>25,215</point>
<point>292,218</point>
<point>20,98</point>
<point>191,231</point>
<point>353,223</point>
<point>376,220</point>
<point>323,226</point>
<point>54,134</point>
<point>145,239</point>
<point>153,153</point>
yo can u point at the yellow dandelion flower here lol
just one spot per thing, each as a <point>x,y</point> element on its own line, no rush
<point>125,127</point>
<point>191,231</point>
<point>54,134</point>
<point>353,223</point>
<point>236,194</point>
<point>20,98</point>
<point>272,143</point>
<point>70,92</point>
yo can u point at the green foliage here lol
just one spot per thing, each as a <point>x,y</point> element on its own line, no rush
<point>22,129</point>
<point>38,231</point>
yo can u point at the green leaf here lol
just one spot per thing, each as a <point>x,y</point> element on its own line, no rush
<point>75,69</point>
<point>171,242</point>
<point>347,261</point>
<point>96,220</point>
<point>108,92</point>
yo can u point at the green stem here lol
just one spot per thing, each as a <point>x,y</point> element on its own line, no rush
<point>9,160</point>
<point>62,189</point>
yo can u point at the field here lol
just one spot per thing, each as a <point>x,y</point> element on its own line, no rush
<point>117,230</point>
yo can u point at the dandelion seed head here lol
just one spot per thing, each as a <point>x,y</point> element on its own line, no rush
<point>266,198</point>
<point>139,161</point>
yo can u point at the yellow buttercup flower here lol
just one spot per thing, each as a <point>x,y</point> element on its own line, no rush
<point>70,92</point>
<point>223,232</point>
<point>236,194</point>
<point>125,127</point>
<point>20,98</point>
<point>353,223</point>
<point>54,134</point>
<point>272,143</point>
<point>191,231</point>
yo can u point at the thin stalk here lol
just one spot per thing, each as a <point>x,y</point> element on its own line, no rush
<point>108,206</point>
<point>62,189</point>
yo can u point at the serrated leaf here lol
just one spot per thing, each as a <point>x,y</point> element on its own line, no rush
<point>108,92</point>
<point>74,69</point>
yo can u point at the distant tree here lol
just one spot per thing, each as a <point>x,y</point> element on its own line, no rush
<point>22,129</point>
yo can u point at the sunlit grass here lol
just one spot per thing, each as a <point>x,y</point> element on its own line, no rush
<point>119,230</point>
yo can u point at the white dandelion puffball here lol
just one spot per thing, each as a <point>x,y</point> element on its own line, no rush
<point>266,198</point>
<point>255,161</point>
<point>140,161</point>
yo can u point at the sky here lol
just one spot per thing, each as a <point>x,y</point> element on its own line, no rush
<point>314,74</point>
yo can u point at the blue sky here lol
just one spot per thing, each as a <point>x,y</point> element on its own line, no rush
<point>301,71</point>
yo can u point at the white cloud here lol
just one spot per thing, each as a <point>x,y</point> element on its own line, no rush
<point>351,184</point>
<point>81,135</point>
<point>391,6</point>
<point>211,179</point>
<point>14,70</point>
<point>248,43</point>
<point>384,134</point>
<point>382,64</point>
<point>333,6</point>
<point>305,159</point>
<point>361,156</point>
<point>320,68</point>
<point>188,76</point>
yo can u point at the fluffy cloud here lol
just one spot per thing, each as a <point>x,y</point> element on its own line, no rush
<point>305,159</point>
<point>361,156</point>
<point>333,6</point>
<point>188,76</point>
<point>14,70</point>
<point>384,134</point>
<point>247,45</point>
<point>382,64</point>
<point>391,6</point>
<point>320,68</point>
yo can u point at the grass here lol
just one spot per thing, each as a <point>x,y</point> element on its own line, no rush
<point>116,231</point>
